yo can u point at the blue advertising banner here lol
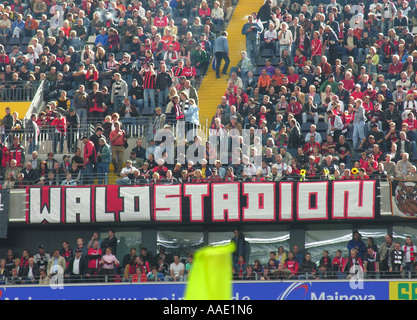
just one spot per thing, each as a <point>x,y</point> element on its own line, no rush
<point>298,290</point>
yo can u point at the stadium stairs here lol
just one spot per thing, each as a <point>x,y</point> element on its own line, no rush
<point>212,89</point>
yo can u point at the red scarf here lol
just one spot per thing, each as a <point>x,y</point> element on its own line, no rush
<point>178,112</point>
<point>411,252</point>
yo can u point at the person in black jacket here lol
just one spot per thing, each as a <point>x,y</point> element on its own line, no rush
<point>77,267</point>
<point>294,138</point>
<point>30,274</point>
<point>241,246</point>
<point>95,103</point>
<point>135,93</point>
<point>111,242</point>
<point>163,83</point>
<point>73,124</point>
<point>29,174</point>
<point>308,268</point>
<point>265,14</point>
<point>7,122</point>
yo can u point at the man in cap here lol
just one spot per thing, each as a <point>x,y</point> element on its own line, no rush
<point>329,82</point>
<point>342,93</point>
<point>42,258</point>
<point>77,267</point>
<point>370,68</point>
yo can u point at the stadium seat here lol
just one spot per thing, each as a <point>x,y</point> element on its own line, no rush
<point>119,56</point>
<point>260,62</point>
<point>14,42</point>
<point>147,112</point>
<point>305,127</point>
<point>26,40</point>
<point>385,67</point>
<point>274,61</point>
<point>360,60</point>
<point>267,53</point>
<point>9,49</point>
<point>321,126</point>
<point>257,70</point>
<point>356,156</point>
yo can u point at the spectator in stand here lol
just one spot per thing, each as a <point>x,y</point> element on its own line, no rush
<point>117,147</point>
<point>56,264</point>
<point>59,124</point>
<point>108,263</point>
<point>119,91</point>
<point>149,81</point>
<point>16,152</point>
<point>357,244</point>
<point>103,161</point>
<point>90,157</point>
<point>125,172</point>
<point>403,167</point>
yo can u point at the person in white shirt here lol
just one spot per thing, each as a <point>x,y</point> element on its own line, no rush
<point>410,251</point>
<point>128,169</point>
<point>334,125</point>
<point>176,270</point>
<point>68,181</point>
<point>76,267</point>
<point>30,273</point>
<point>270,37</point>
<point>314,133</point>
<point>285,39</point>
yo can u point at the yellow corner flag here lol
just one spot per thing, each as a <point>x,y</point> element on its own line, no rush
<point>211,274</point>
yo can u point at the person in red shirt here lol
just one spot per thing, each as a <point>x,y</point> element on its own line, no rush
<point>338,263</point>
<point>357,94</point>
<point>411,122</point>
<point>93,257</point>
<point>308,147</point>
<point>292,265</point>
<point>362,175</point>
<point>16,153</point>
<point>60,124</point>
<point>139,276</point>
<point>295,108</point>
<point>160,169</point>
<point>348,82</point>
<point>395,68</point>
<point>316,48</point>
<point>347,175</point>
<point>90,157</point>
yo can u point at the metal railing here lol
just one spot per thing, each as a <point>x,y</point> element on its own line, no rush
<point>254,276</point>
<point>48,140</point>
<point>18,91</point>
<point>327,275</point>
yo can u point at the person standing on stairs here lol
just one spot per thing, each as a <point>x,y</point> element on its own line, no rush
<point>221,51</point>
<point>250,30</point>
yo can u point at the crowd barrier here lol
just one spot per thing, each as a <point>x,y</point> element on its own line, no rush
<point>273,290</point>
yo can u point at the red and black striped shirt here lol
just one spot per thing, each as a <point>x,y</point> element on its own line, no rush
<point>149,80</point>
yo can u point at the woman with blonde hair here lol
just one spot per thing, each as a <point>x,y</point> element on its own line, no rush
<point>100,58</point>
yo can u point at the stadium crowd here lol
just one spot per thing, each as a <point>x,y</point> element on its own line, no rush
<point>98,262</point>
<point>329,87</point>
